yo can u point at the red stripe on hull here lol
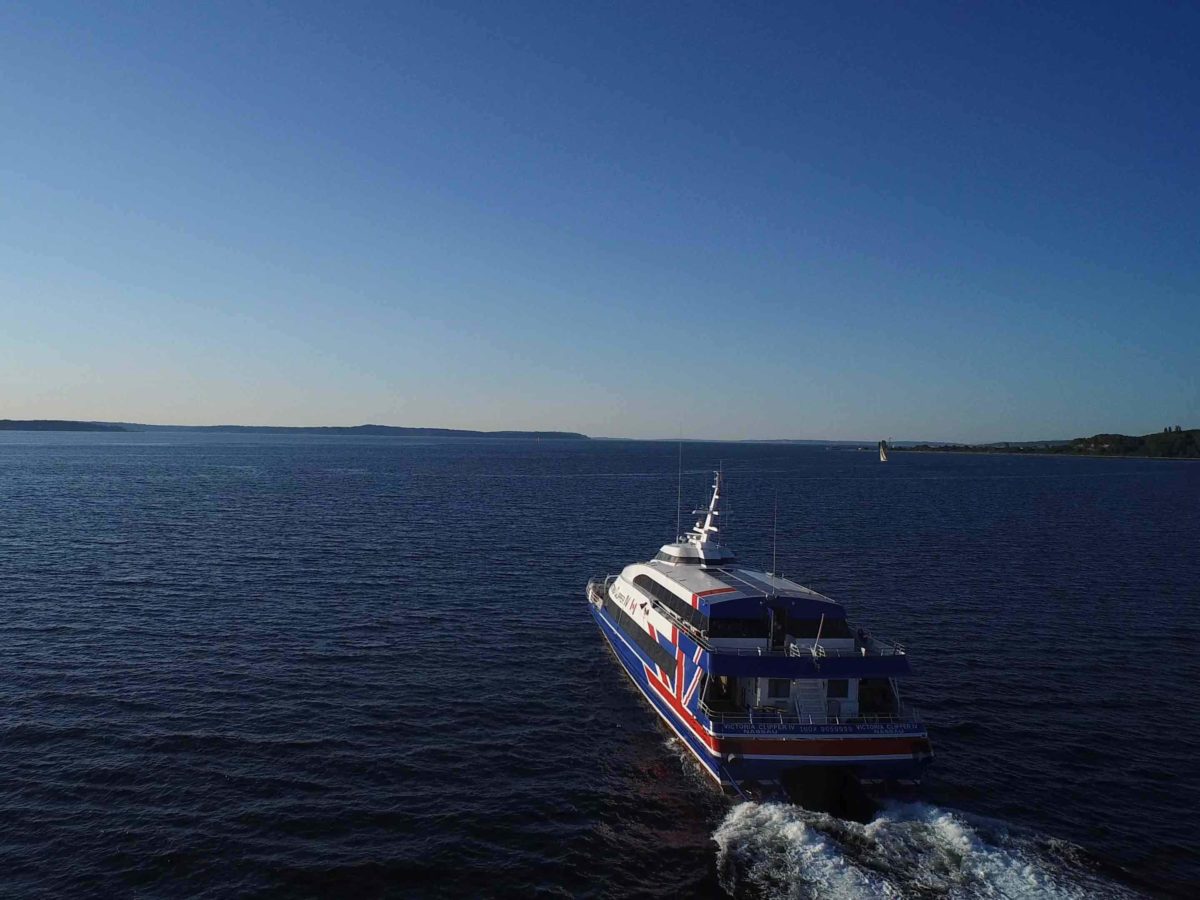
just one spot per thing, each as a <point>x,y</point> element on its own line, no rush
<point>833,747</point>
<point>687,718</point>
<point>679,676</point>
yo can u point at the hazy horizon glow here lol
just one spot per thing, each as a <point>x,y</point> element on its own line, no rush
<point>951,223</point>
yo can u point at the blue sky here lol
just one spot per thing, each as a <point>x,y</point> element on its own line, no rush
<point>949,221</point>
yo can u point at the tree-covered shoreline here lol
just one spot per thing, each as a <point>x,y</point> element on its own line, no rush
<point>1174,443</point>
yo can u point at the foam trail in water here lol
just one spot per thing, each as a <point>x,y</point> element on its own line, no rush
<point>776,850</point>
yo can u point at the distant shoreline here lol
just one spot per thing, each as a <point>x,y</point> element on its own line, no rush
<point>1062,454</point>
<point>1170,443</point>
<point>41,425</point>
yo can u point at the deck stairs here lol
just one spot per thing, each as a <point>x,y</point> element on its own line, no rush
<point>808,695</point>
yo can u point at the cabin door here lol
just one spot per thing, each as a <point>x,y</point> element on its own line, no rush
<point>778,629</point>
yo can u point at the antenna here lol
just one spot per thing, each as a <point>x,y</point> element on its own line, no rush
<point>775,533</point>
<point>706,524</point>
<point>728,514</point>
<point>679,492</point>
<point>721,482</point>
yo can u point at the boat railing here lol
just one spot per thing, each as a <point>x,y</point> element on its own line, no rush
<point>597,588</point>
<point>746,651</point>
<point>867,646</point>
<point>880,647</point>
<point>799,648</point>
<point>765,716</point>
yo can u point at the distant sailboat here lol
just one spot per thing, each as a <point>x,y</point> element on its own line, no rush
<point>883,451</point>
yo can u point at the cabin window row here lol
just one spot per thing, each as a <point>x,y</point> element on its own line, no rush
<point>663,658</point>
<point>714,628</point>
<point>671,601</point>
<point>693,560</point>
<point>808,628</point>
<point>757,627</point>
<point>760,628</point>
<point>739,628</point>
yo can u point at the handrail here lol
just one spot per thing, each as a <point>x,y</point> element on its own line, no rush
<point>869,647</point>
<point>907,716</point>
<point>597,588</point>
<point>798,647</point>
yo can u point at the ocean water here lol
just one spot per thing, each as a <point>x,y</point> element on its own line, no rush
<point>303,666</point>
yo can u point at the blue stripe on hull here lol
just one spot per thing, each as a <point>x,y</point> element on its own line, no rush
<point>633,666</point>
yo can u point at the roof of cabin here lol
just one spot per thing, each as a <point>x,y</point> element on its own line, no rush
<point>735,583</point>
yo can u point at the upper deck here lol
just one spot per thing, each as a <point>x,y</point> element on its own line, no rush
<point>724,588</point>
<point>778,642</point>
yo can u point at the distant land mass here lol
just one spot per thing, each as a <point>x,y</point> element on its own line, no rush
<point>1173,443</point>
<point>817,442</point>
<point>56,425</point>
<point>387,430</point>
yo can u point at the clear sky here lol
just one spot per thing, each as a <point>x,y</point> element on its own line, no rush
<point>952,221</point>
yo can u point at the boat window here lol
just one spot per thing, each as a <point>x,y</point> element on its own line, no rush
<point>661,657</point>
<point>836,628</point>
<point>672,558</point>
<point>807,628</point>
<point>875,696</point>
<point>671,601</point>
<point>738,628</point>
<point>693,560</point>
<point>839,689</point>
<point>779,688</point>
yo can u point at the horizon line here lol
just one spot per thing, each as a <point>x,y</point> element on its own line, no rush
<point>511,431</point>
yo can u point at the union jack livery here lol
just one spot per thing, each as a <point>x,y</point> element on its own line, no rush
<point>759,676</point>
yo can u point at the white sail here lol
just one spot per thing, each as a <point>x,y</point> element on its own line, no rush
<point>883,451</point>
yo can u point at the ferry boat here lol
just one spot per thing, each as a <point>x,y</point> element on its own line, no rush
<point>760,677</point>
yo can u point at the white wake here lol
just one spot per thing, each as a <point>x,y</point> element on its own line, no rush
<point>776,850</point>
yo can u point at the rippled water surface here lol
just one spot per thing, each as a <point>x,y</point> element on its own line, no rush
<point>295,665</point>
